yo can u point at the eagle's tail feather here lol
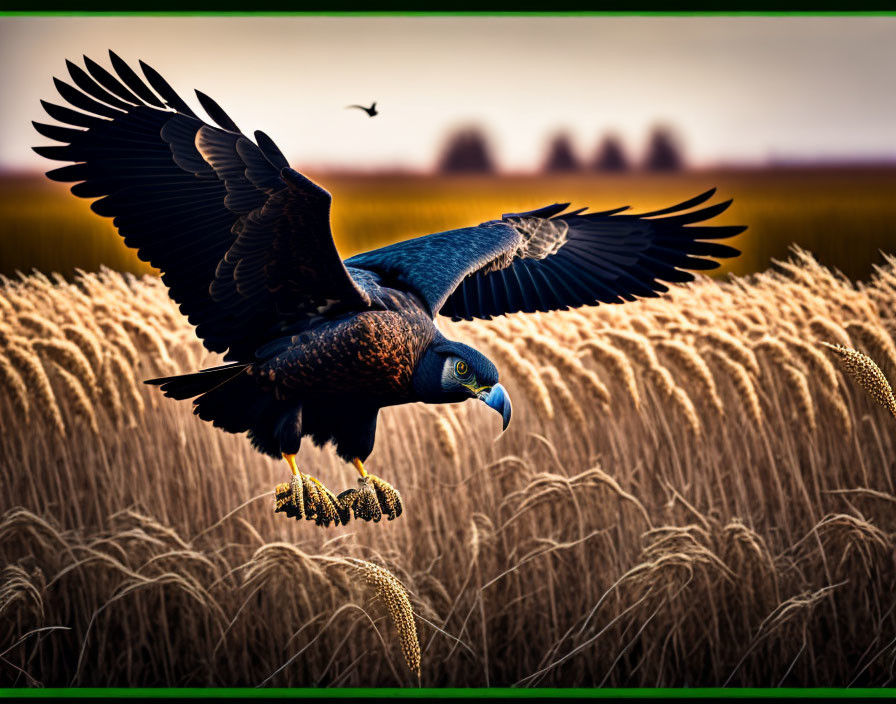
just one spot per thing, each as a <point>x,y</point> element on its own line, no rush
<point>185,386</point>
<point>233,401</point>
<point>227,397</point>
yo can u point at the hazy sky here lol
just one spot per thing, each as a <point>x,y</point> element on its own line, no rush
<point>739,88</point>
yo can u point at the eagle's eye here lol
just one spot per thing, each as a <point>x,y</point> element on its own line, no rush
<point>461,368</point>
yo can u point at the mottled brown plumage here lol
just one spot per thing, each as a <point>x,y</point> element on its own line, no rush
<point>372,353</point>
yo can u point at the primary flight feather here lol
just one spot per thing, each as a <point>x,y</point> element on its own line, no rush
<point>316,345</point>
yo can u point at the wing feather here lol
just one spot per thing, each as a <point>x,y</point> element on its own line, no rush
<point>216,113</point>
<point>134,82</point>
<point>553,259</point>
<point>109,82</point>
<point>94,89</point>
<point>160,85</point>
<point>205,205</point>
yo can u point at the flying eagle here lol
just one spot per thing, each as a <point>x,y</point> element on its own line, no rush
<point>317,345</point>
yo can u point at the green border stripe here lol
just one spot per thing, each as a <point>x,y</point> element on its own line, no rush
<point>436,13</point>
<point>433,693</point>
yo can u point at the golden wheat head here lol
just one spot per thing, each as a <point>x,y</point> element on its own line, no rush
<point>395,597</point>
<point>866,372</point>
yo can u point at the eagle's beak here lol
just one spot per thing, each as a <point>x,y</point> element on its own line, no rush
<point>498,398</point>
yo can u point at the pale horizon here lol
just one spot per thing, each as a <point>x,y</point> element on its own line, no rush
<point>738,90</point>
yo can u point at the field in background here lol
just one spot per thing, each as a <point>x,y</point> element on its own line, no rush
<point>690,494</point>
<point>844,216</point>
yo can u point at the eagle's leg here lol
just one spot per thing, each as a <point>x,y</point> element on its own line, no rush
<point>373,497</point>
<point>306,497</point>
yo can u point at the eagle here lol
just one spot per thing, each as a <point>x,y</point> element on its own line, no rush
<point>314,345</point>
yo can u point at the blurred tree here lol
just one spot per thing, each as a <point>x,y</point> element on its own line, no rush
<point>663,151</point>
<point>561,155</point>
<point>610,155</point>
<point>466,150</point>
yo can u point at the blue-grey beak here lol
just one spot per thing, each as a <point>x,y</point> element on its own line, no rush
<point>498,398</point>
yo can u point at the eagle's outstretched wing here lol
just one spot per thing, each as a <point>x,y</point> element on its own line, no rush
<point>242,240</point>
<point>545,260</point>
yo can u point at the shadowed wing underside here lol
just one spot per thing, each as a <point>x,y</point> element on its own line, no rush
<point>242,240</point>
<point>545,259</point>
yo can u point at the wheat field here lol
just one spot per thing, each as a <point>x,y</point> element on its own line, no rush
<point>692,493</point>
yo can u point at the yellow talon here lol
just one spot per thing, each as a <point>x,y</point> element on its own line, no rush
<point>291,461</point>
<point>359,465</point>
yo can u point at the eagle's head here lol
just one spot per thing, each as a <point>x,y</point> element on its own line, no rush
<point>449,372</point>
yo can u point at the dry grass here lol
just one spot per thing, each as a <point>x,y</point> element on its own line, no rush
<point>691,493</point>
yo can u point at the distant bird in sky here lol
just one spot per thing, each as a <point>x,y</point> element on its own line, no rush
<point>317,345</point>
<point>371,111</point>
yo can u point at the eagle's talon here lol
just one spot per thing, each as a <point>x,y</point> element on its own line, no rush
<point>297,494</point>
<point>325,505</point>
<point>367,506</point>
<point>305,497</point>
<point>284,500</point>
<point>285,505</point>
<point>361,501</point>
<point>309,496</point>
<point>347,498</point>
<point>373,499</point>
<point>346,501</point>
<point>388,497</point>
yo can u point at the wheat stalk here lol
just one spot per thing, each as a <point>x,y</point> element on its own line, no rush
<point>524,374</point>
<point>687,410</point>
<point>153,342</point>
<point>740,377</point>
<point>874,339</point>
<point>615,362</point>
<point>800,386</point>
<point>695,367</point>
<point>15,387</point>
<point>8,335</point>
<point>445,437</point>
<point>86,342</point>
<point>838,405</point>
<point>827,330</point>
<point>38,384</point>
<point>641,325</point>
<point>774,349</point>
<point>732,347</point>
<point>36,323</point>
<point>117,335</point>
<point>567,363</point>
<point>127,385</point>
<point>635,345</point>
<point>69,356</point>
<point>79,402</point>
<point>561,393</point>
<point>816,363</point>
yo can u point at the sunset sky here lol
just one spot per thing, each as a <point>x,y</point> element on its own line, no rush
<point>739,89</point>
